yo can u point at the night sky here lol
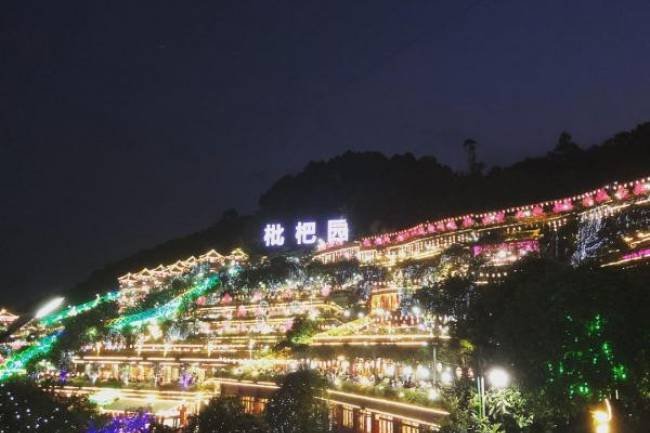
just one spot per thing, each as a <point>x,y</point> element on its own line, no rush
<point>124,124</point>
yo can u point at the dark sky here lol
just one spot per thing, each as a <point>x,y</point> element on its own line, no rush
<point>123,124</point>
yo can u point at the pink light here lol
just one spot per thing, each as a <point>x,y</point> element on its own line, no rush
<point>488,219</point>
<point>451,225</point>
<point>588,201</point>
<point>523,213</point>
<point>601,196</point>
<point>562,206</point>
<point>538,211</point>
<point>641,254</point>
<point>641,188</point>
<point>468,221</point>
<point>622,193</point>
<point>519,248</point>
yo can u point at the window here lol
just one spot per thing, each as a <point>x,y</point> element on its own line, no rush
<point>385,425</point>
<point>410,428</point>
<point>347,418</point>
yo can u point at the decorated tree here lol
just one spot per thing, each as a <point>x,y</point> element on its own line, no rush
<point>571,337</point>
<point>301,332</point>
<point>225,415</point>
<point>299,405</point>
<point>25,407</point>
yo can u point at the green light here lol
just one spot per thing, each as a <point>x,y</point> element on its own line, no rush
<point>166,311</point>
<point>607,350</point>
<point>595,326</point>
<point>17,363</point>
<point>619,372</point>
<point>56,318</point>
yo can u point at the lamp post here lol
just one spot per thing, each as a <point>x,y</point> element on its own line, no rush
<point>602,418</point>
<point>497,378</point>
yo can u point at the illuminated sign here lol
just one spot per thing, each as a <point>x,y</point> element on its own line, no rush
<point>306,233</point>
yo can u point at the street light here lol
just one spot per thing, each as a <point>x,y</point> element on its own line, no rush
<point>498,378</point>
<point>49,307</point>
<point>602,418</point>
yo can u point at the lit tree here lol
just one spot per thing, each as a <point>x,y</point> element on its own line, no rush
<point>225,415</point>
<point>25,407</point>
<point>572,337</point>
<point>299,405</point>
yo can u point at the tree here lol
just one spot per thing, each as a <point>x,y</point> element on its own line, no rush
<point>475,168</point>
<point>452,297</point>
<point>302,330</point>
<point>225,415</point>
<point>25,407</point>
<point>299,405</point>
<point>565,145</point>
<point>571,337</point>
<point>79,330</point>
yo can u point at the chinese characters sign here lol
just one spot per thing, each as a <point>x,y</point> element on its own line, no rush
<point>305,233</point>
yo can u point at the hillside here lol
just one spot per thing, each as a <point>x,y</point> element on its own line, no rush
<point>378,193</point>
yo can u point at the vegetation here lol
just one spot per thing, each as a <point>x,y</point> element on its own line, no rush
<point>570,336</point>
<point>301,332</point>
<point>85,328</point>
<point>298,406</point>
<point>225,415</point>
<point>25,407</point>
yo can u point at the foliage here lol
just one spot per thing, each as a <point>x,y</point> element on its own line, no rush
<point>225,415</point>
<point>157,298</point>
<point>507,411</point>
<point>24,407</point>
<point>298,406</point>
<point>302,331</point>
<point>418,396</point>
<point>337,273</point>
<point>80,330</point>
<point>573,336</point>
<point>450,297</point>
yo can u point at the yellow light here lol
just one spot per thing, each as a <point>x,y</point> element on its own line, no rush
<point>602,418</point>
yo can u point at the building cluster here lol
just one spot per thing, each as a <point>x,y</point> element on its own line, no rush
<point>520,229</point>
<point>6,319</point>
<point>134,286</point>
<point>361,328</point>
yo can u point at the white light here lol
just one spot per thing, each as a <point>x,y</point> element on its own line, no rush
<point>305,233</point>
<point>346,313</point>
<point>446,378</point>
<point>422,372</point>
<point>498,378</point>
<point>433,394</point>
<point>416,310</point>
<point>273,235</point>
<point>105,396</point>
<point>51,306</point>
<point>337,231</point>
